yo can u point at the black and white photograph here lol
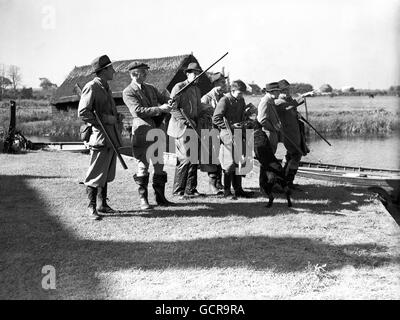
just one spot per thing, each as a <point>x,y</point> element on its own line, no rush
<point>214,151</point>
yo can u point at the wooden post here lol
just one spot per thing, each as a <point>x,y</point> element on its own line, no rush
<point>305,106</point>
<point>9,140</point>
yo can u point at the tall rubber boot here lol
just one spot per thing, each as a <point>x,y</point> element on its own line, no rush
<point>102,205</point>
<point>227,185</point>
<point>237,186</point>
<point>143,182</point>
<point>159,181</point>
<point>218,184</point>
<point>92,193</point>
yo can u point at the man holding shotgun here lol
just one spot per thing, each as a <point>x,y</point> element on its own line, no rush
<point>189,101</point>
<point>291,126</point>
<point>97,97</point>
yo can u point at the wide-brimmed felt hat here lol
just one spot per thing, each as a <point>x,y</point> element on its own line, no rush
<point>193,66</point>
<point>100,63</point>
<point>273,86</point>
<point>138,65</point>
<point>217,76</point>
<point>283,84</point>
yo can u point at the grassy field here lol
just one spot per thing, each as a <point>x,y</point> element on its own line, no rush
<point>337,242</point>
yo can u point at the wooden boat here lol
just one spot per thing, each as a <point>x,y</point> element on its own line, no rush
<point>358,176</point>
<point>63,146</point>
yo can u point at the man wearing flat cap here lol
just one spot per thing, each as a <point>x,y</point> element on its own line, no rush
<point>209,103</point>
<point>231,112</point>
<point>292,127</point>
<point>189,101</point>
<point>96,95</point>
<point>148,108</point>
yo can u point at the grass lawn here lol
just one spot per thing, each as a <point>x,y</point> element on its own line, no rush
<point>337,242</point>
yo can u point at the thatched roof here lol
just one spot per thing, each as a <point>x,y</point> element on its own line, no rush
<point>164,73</point>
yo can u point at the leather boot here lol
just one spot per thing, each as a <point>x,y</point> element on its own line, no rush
<point>237,186</point>
<point>92,193</point>
<point>191,183</point>
<point>218,183</point>
<point>159,181</point>
<point>291,173</point>
<point>212,183</point>
<point>102,205</point>
<point>143,182</point>
<point>227,186</point>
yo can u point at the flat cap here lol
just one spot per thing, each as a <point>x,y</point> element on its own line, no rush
<point>138,65</point>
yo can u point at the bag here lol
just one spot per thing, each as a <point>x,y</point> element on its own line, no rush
<point>85,132</point>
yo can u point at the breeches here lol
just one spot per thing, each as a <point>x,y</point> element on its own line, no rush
<point>143,164</point>
<point>102,167</point>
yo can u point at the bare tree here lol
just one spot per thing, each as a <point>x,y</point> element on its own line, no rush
<point>14,72</point>
<point>4,81</point>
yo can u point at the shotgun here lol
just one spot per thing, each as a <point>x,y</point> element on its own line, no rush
<point>79,92</point>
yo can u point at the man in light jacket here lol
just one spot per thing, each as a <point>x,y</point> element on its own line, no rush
<point>148,108</point>
<point>185,182</point>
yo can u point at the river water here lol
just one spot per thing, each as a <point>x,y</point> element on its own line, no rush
<point>374,152</point>
<point>365,152</point>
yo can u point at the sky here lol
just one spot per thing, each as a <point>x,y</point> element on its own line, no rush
<point>339,42</point>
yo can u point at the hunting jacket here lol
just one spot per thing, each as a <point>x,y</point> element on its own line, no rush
<point>96,95</point>
<point>233,110</point>
<point>189,101</point>
<point>267,114</point>
<point>143,105</point>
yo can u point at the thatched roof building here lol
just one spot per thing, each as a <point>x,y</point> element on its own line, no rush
<point>164,73</point>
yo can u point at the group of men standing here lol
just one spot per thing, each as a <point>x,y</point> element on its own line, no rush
<point>223,109</point>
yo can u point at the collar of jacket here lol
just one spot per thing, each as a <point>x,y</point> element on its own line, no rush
<point>103,83</point>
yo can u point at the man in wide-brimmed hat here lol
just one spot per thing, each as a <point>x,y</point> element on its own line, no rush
<point>209,103</point>
<point>293,128</point>
<point>267,115</point>
<point>185,182</point>
<point>96,95</point>
<point>148,108</point>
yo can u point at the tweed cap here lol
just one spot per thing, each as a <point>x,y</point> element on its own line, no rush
<point>273,86</point>
<point>138,65</point>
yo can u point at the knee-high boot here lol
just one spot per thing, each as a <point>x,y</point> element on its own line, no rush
<point>92,193</point>
<point>159,181</point>
<point>143,182</point>
<point>102,205</point>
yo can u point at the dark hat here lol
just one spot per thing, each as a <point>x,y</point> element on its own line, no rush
<point>193,66</point>
<point>138,65</point>
<point>283,84</point>
<point>100,63</point>
<point>216,77</point>
<point>273,86</point>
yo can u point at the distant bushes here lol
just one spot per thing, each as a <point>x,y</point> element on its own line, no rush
<point>351,123</point>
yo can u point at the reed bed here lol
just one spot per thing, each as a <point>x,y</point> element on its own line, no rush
<point>35,118</point>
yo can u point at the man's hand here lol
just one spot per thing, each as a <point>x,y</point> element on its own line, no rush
<point>165,108</point>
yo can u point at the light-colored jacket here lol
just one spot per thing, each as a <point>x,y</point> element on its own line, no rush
<point>267,114</point>
<point>96,95</point>
<point>144,109</point>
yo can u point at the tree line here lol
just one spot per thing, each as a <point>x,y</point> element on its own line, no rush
<point>11,79</point>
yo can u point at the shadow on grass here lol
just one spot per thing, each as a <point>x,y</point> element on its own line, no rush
<point>31,236</point>
<point>313,199</point>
